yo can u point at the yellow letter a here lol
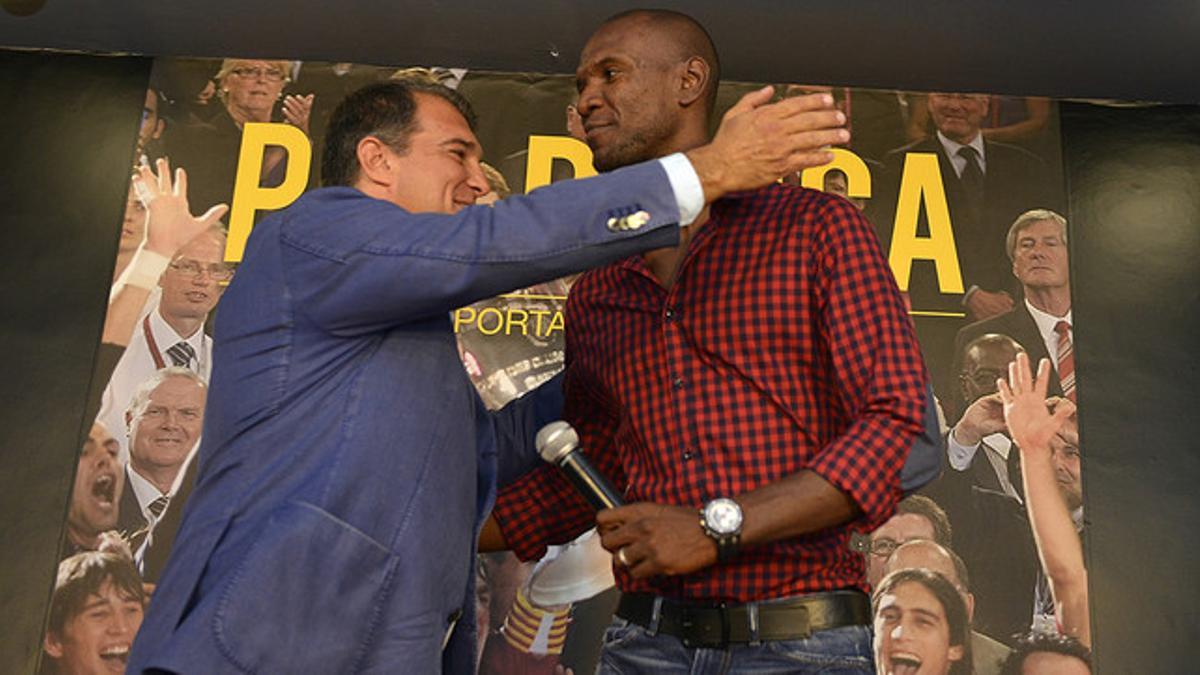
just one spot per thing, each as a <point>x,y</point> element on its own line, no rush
<point>922,183</point>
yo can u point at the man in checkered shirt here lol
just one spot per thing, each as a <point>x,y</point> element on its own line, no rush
<point>753,393</point>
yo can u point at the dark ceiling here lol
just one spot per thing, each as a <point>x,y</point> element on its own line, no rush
<point>1103,49</point>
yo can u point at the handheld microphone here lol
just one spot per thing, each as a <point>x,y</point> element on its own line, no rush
<point>558,443</point>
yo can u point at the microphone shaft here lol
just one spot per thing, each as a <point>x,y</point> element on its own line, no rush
<point>590,483</point>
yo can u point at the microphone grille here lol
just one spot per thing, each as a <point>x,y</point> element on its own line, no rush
<point>555,440</point>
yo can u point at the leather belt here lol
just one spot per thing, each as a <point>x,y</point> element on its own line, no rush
<point>716,625</point>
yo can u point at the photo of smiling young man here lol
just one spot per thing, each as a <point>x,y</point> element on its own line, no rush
<point>921,626</point>
<point>95,612</point>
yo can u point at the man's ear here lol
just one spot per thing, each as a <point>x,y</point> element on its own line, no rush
<point>52,646</point>
<point>374,161</point>
<point>693,81</point>
<point>955,653</point>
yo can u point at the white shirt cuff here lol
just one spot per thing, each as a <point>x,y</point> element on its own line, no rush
<point>970,291</point>
<point>685,183</point>
<point>960,456</point>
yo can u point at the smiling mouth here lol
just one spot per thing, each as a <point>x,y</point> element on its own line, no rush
<point>197,296</point>
<point>591,126</point>
<point>905,664</point>
<point>117,655</point>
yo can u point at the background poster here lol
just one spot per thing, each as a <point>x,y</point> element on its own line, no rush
<point>944,244</point>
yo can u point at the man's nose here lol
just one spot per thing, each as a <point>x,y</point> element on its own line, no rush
<point>120,624</point>
<point>590,99</point>
<point>477,181</point>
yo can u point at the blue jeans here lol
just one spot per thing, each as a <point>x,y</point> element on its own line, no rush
<point>629,648</point>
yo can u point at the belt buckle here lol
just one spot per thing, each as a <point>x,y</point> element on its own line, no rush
<point>806,614</point>
<point>696,633</point>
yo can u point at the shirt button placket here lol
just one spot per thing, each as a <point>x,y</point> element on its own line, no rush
<point>677,354</point>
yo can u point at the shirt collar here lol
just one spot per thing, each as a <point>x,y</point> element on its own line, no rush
<point>166,336</point>
<point>143,490</point>
<point>1046,321</point>
<point>952,147</point>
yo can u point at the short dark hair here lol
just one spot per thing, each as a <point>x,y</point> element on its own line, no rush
<point>689,36</point>
<point>386,110</point>
<point>82,575</point>
<point>947,596</point>
<point>924,506</point>
<point>1033,643</point>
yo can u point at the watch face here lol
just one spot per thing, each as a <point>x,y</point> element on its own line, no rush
<point>723,516</point>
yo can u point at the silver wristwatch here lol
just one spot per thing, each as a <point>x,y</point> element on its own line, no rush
<point>721,519</point>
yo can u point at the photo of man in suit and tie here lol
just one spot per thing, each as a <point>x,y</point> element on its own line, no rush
<point>164,421</point>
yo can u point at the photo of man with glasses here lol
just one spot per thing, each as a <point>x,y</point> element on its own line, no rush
<point>172,331</point>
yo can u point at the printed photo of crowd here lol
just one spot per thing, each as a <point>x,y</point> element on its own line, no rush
<point>992,548</point>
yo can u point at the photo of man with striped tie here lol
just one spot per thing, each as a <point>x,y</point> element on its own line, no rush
<point>164,421</point>
<point>171,330</point>
<point>1041,321</point>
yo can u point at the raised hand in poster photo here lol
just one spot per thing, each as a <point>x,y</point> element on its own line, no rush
<point>170,225</point>
<point>297,110</point>
<point>1045,431</point>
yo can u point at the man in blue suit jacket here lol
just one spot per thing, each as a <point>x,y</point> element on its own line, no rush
<point>347,461</point>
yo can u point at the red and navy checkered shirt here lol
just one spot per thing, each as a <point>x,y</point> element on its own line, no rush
<point>782,346</point>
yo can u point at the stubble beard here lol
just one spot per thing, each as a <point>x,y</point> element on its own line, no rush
<point>636,147</point>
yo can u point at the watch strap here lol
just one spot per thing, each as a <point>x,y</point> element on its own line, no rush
<point>727,544</point>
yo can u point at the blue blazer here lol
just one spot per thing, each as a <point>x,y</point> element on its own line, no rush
<point>347,462</point>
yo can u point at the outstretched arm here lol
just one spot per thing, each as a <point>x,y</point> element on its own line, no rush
<point>1033,428</point>
<point>169,226</point>
<point>374,268</point>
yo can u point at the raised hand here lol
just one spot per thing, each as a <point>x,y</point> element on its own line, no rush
<point>170,223</point>
<point>1029,420</point>
<point>758,141</point>
<point>982,418</point>
<point>297,110</point>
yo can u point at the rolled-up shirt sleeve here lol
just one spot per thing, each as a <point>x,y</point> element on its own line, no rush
<point>876,365</point>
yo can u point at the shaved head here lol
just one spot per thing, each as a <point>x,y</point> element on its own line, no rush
<point>681,37</point>
<point>930,555</point>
